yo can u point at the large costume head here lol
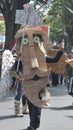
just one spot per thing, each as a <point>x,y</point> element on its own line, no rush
<point>35,71</point>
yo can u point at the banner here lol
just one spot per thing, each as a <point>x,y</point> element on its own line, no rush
<point>28,16</point>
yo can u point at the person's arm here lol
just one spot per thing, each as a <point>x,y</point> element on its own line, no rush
<point>20,67</point>
<point>54,59</point>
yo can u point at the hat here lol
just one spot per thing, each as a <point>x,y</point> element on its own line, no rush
<point>14,55</point>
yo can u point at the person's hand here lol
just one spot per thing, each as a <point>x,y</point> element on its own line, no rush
<point>62,44</point>
<point>21,79</point>
<point>69,60</point>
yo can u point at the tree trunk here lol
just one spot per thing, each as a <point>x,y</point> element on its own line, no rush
<point>9,32</point>
<point>9,25</point>
<point>8,9</point>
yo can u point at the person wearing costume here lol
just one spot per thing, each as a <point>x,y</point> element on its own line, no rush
<point>55,76</point>
<point>55,59</point>
<point>18,68</point>
<point>58,55</point>
<point>30,42</point>
<point>35,112</point>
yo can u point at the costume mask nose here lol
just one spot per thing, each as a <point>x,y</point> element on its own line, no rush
<point>33,59</point>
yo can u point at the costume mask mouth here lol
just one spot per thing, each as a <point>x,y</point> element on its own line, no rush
<point>36,77</point>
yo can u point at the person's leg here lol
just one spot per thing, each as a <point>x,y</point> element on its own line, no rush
<point>19,91</point>
<point>35,114</point>
<point>61,79</point>
<point>17,100</point>
<point>25,109</point>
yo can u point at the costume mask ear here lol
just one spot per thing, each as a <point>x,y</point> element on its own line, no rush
<point>34,64</point>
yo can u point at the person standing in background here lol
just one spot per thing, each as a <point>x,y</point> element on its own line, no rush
<point>18,68</point>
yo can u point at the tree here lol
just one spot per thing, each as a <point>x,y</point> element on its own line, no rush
<point>60,19</point>
<point>8,9</point>
<point>2,27</point>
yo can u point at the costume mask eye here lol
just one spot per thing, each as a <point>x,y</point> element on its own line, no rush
<point>36,39</point>
<point>25,41</point>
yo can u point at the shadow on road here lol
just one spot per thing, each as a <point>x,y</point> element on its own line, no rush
<point>7,117</point>
<point>70,117</point>
<point>62,108</point>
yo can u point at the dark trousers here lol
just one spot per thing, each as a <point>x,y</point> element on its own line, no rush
<point>24,100</point>
<point>19,94</point>
<point>19,91</point>
<point>35,114</point>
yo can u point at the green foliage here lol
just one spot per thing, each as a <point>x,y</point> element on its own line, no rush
<point>54,20</point>
<point>2,27</point>
<point>60,20</point>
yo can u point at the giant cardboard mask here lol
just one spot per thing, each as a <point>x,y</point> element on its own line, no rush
<point>35,71</point>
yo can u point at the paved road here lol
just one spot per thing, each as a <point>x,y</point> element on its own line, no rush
<point>59,116</point>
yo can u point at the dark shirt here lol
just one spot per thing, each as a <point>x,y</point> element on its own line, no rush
<point>54,59</point>
<point>17,66</point>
